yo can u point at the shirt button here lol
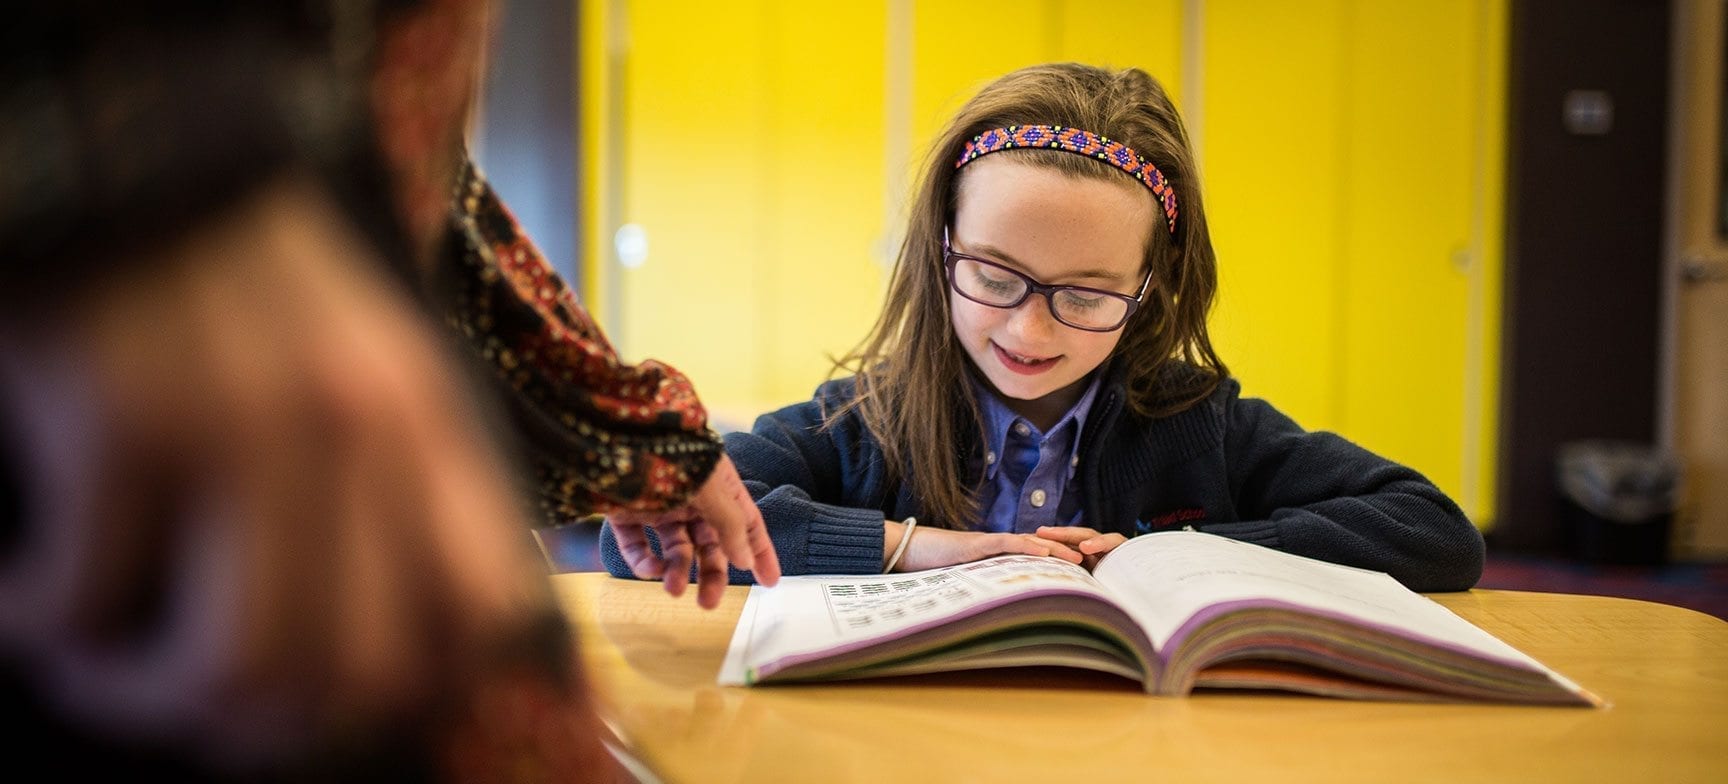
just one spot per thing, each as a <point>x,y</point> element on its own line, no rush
<point>1074,462</point>
<point>1038,499</point>
<point>989,458</point>
<point>1021,429</point>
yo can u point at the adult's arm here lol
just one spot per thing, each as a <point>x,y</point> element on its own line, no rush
<point>600,436</point>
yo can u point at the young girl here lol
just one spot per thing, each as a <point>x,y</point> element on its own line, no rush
<point>1041,380</point>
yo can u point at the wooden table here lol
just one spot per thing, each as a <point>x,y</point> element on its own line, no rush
<point>1664,669</point>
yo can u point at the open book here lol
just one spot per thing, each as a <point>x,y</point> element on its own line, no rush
<point>1175,611</point>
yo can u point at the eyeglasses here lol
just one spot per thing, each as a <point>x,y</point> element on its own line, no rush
<point>988,283</point>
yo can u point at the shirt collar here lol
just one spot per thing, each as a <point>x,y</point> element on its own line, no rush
<point>998,418</point>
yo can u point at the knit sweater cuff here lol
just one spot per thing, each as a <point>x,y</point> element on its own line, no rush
<point>844,541</point>
<point>1260,532</point>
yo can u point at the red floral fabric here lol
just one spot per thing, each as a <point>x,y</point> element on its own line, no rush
<point>601,435</point>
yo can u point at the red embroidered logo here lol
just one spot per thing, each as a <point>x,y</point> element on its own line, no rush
<point>1169,519</point>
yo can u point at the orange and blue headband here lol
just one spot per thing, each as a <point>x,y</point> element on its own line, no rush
<point>1074,140</point>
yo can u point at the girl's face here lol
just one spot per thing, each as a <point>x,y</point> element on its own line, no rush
<point>1059,230</point>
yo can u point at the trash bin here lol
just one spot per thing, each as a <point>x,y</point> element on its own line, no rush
<point>1618,500</point>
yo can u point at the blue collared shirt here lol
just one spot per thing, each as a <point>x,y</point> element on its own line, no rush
<point>1027,473</point>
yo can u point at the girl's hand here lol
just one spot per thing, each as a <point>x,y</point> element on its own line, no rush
<point>1093,546</point>
<point>934,547</point>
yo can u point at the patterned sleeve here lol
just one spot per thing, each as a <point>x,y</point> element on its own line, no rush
<point>600,435</point>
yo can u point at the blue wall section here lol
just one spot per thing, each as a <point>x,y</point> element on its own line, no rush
<point>526,137</point>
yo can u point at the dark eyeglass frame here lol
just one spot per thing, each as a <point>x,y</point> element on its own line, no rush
<point>949,256</point>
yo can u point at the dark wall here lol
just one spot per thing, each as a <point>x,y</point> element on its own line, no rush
<point>1584,244</point>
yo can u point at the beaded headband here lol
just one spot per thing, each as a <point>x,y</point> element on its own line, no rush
<point>1074,140</point>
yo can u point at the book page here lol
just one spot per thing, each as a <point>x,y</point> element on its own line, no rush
<point>1163,579</point>
<point>805,614</point>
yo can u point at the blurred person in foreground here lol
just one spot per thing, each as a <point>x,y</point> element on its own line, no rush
<point>253,523</point>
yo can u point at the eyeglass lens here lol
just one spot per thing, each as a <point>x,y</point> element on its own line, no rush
<point>989,284</point>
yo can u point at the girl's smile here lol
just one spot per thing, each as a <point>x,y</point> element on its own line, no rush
<point>1058,229</point>
<point>1023,363</point>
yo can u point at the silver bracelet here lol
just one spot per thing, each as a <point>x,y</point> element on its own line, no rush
<point>900,549</point>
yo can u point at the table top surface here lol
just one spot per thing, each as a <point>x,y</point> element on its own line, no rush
<point>1663,670</point>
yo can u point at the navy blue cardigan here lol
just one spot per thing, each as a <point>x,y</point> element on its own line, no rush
<point>1229,465</point>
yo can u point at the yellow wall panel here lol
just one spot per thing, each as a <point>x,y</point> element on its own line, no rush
<point>826,184</point>
<point>692,156</point>
<point>1273,87</point>
<point>959,47</point>
<point>1483,417</point>
<point>1351,159</point>
<point>1407,198</point>
<point>1422,247</point>
<point>1149,39</point>
<point>752,161</point>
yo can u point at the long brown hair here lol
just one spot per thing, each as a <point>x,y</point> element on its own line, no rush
<point>912,392</point>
